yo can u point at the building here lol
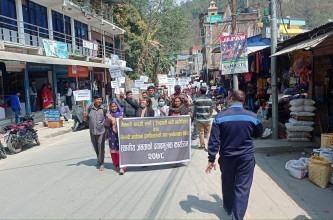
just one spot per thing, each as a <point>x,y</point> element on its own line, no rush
<point>59,40</point>
<point>215,24</point>
<point>195,60</point>
<point>289,28</point>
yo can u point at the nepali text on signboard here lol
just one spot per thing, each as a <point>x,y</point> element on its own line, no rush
<point>51,115</point>
<point>214,18</point>
<point>82,95</point>
<point>154,141</point>
<point>233,54</point>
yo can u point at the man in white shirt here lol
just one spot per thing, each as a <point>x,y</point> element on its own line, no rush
<point>69,96</point>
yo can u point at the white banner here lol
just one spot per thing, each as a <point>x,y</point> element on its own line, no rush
<point>82,95</point>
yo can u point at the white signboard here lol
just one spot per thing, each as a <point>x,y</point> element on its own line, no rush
<point>144,78</point>
<point>135,91</point>
<point>138,83</point>
<point>204,84</point>
<point>171,81</point>
<point>82,95</point>
<point>122,90</point>
<point>144,87</point>
<point>183,81</point>
<point>89,45</point>
<point>213,87</point>
<point>121,79</point>
<point>117,91</point>
<point>163,79</point>
<point>115,72</point>
<point>114,84</point>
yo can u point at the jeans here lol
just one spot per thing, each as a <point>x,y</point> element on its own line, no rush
<point>17,115</point>
<point>250,104</point>
<point>33,103</point>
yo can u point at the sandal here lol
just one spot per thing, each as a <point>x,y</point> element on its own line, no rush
<point>121,171</point>
<point>101,168</point>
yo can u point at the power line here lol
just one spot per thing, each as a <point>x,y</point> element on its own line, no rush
<point>303,12</point>
<point>283,19</point>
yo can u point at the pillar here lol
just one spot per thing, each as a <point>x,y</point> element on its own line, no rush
<point>92,81</point>
<point>49,23</point>
<point>26,89</point>
<point>54,85</point>
<point>20,25</point>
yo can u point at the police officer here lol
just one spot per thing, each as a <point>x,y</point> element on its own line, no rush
<point>232,136</point>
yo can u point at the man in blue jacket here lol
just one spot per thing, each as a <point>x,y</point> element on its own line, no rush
<point>232,136</point>
<point>15,104</point>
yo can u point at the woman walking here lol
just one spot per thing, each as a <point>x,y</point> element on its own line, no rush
<point>162,109</point>
<point>178,108</point>
<point>112,130</point>
<point>145,109</point>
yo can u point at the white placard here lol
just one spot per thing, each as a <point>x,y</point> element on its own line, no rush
<point>138,83</point>
<point>144,87</point>
<point>82,95</point>
<point>213,87</point>
<point>122,90</point>
<point>122,79</point>
<point>117,91</point>
<point>183,81</point>
<point>114,84</point>
<point>171,81</point>
<point>144,78</point>
<point>163,79</point>
<point>135,91</point>
<point>115,72</point>
<point>204,84</point>
<point>197,84</point>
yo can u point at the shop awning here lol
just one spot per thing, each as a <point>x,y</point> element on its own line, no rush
<point>4,55</point>
<point>256,48</point>
<point>306,44</point>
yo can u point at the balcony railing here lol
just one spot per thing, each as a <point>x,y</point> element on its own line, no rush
<point>33,35</point>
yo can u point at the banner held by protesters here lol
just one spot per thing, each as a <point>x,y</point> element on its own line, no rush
<point>154,141</point>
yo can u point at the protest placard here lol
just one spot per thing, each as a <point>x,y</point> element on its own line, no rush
<point>82,95</point>
<point>154,141</point>
<point>144,78</point>
<point>138,83</point>
<point>121,79</point>
<point>171,81</point>
<point>115,72</point>
<point>117,91</point>
<point>144,87</point>
<point>213,87</point>
<point>135,91</point>
<point>114,84</point>
<point>163,80</point>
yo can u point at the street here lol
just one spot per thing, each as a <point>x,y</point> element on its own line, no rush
<point>59,180</point>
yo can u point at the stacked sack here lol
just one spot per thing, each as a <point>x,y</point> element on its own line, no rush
<point>301,121</point>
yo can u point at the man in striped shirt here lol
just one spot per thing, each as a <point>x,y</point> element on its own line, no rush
<point>203,111</point>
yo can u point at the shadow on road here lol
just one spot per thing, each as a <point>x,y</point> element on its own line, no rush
<point>151,168</point>
<point>194,202</point>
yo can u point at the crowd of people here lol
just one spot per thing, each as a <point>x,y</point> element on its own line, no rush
<point>152,103</point>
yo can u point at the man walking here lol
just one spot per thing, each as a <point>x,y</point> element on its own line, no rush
<point>129,104</point>
<point>16,106</point>
<point>96,117</point>
<point>33,95</point>
<point>203,111</point>
<point>232,134</point>
<point>69,93</point>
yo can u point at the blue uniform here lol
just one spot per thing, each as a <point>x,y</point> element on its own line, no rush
<point>232,136</point>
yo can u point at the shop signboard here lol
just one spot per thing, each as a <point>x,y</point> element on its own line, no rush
<point>154,141</point>
<point>39,67</point>
<point>82,95</point>
<point>115,72</point>
<point>233,54</point>
<point>214,18</point>
<point>78,71</point>
<point>51,115</point>
<point>89,45</point>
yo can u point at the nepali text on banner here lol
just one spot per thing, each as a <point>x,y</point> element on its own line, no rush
<point>154,141</point>
<point>233,54</point>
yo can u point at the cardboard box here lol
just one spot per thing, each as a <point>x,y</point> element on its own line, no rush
<point>326,140</point>
<point>55,124</point>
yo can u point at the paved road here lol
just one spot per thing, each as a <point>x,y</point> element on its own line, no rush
<point>59,180</point>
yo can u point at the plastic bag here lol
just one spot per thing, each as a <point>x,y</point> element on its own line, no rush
<point>295,122</point>
<point>297,102</point>
<point>297,168</point>
<point>290,127</point>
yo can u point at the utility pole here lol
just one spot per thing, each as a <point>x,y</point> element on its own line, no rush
<point>275,109</point>
<point>233,30</point>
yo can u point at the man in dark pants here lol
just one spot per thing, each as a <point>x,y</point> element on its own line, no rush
<point>96,117</point>
<point>232,134</point>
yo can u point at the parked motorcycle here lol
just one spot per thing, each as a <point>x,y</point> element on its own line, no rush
<point>17,136</point>
<point>77,116</point>
<point>3,153</point>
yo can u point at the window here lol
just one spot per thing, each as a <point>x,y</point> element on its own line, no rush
<point>35,15</point>
<point>81,32</point>
<point>61,27</point>
<point>8,14</point>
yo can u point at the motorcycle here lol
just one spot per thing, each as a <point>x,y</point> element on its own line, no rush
<point>17,136</point>
<point>3,154</point>
<point>77,116</point>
